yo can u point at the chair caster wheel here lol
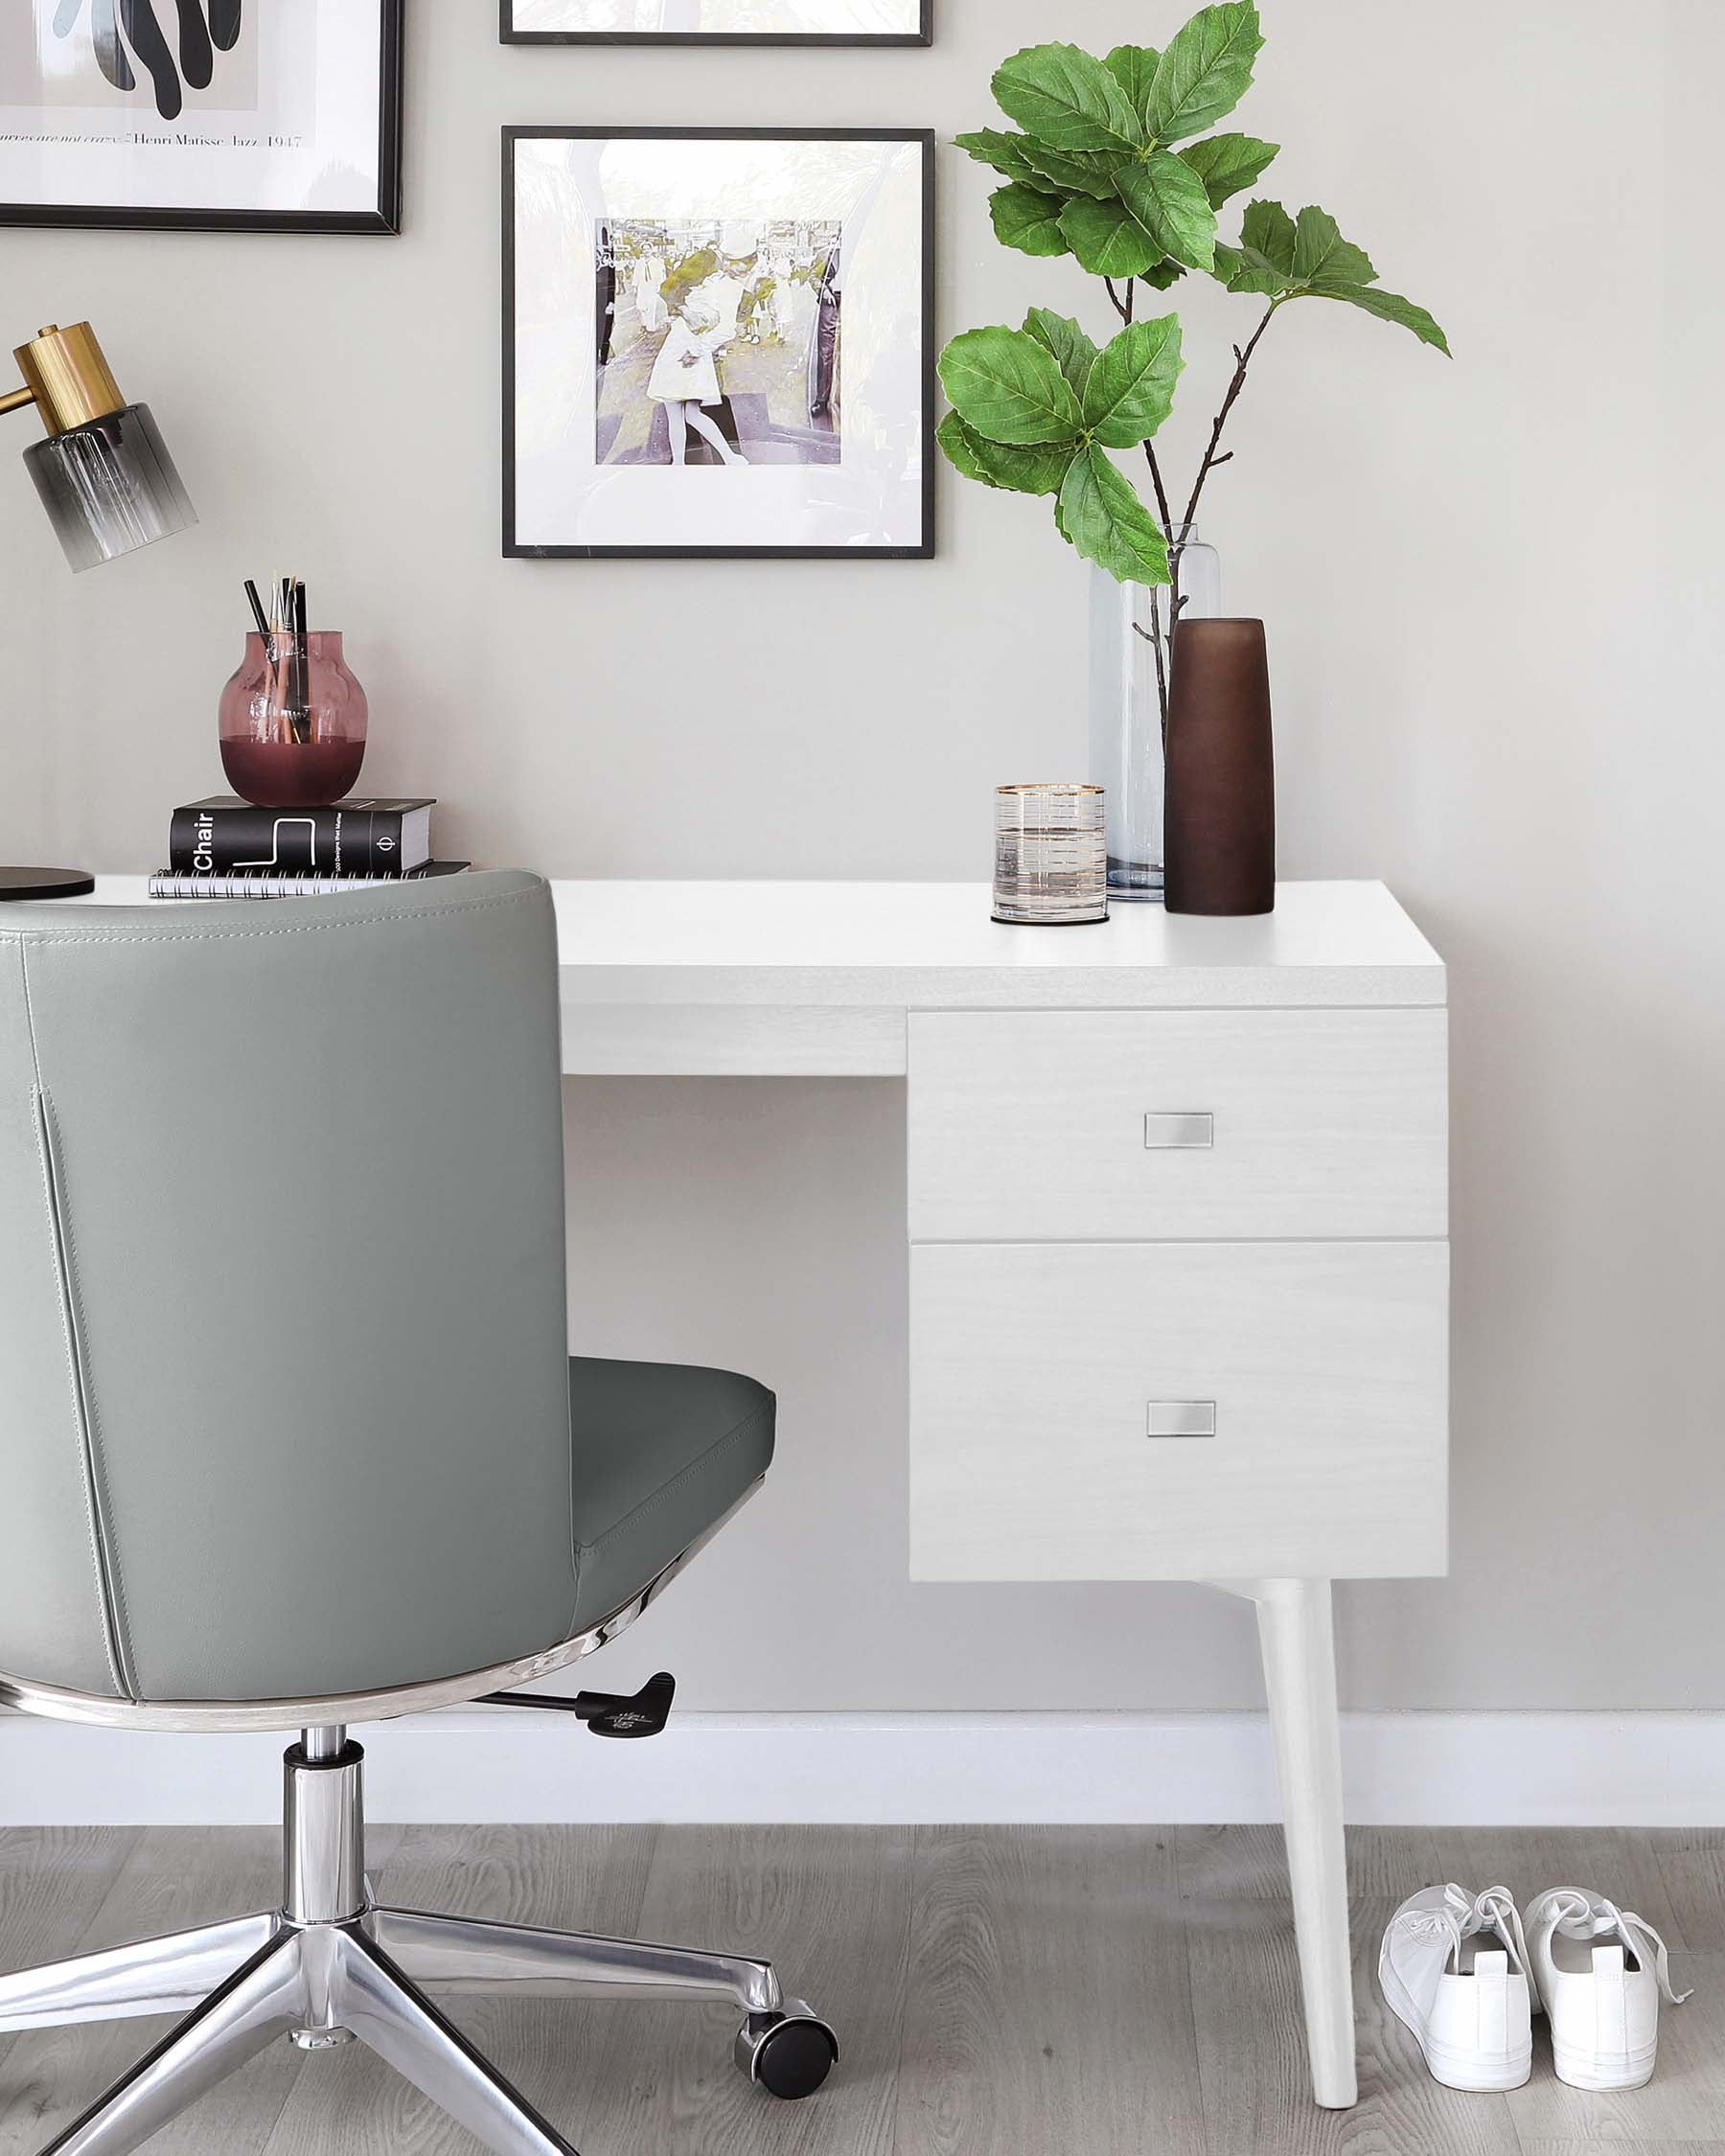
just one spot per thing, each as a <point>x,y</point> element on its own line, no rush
<point>788,2055</point>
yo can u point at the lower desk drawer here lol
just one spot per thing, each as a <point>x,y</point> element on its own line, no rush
<point>1297,1394</point>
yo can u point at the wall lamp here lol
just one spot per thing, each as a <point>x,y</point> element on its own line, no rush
<point>103,471</point>
<point>109,486</point>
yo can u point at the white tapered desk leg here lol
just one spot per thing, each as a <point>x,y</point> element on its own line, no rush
<point>1296,1635</point>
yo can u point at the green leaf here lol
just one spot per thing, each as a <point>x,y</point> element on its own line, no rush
<point>1038,470</point>
<point>1027,221</point>
<point>1165,275</point>
<point>1243,271</point>
<point>1033,164</point>
<point>1108,240</point>
<point>1321,254</point>
<point>989,146</point>
<point>1233,269</point>
<point>1227,164</point>
<point>1103,516</point>
<point>1204,72</point>
<point>1267,239</point>
<point>1310,259</point>
<point>1263,261</point>
<point>1071,345</point>
<point>1009,387</point>
<point>1167,198</point>
<point>1071,171</point>
<point>1387,307</point>
<point>1129,390</point>
<point>1067,99</point>
<point>1133,68</point>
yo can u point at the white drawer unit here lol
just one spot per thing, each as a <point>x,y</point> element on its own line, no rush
<point>1180,1310</point>
<point>1069,1125</point>
<point>1152,1411</point>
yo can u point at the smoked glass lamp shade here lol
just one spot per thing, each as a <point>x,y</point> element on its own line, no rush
<point>109,486</point>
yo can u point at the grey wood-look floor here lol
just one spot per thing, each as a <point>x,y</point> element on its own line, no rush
<point>1000,1991</point>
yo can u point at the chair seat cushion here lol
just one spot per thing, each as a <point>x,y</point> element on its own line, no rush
<point>662,1451</point>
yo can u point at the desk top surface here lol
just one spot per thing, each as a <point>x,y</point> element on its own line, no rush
<point>932,944</point>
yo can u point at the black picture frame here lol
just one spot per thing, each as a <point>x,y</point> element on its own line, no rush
<point>924,550</point>
<point>510,35</point>
<point>385,218</point>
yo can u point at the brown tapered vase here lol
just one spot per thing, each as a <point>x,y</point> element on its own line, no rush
<point>1219,851</point>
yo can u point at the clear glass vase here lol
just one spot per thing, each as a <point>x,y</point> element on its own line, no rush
<point>1131,669</point>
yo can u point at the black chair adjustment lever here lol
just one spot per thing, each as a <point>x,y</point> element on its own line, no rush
<point>606,1714</point>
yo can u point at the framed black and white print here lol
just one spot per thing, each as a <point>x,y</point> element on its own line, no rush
<point>717,22</point>
<point>214,115</point>
<point>718,341</point>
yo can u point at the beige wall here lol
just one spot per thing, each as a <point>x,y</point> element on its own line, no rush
<point>1491,591</point>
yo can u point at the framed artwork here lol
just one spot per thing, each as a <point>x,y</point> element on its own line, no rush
<point>717,22</point>
<point>212,115</point>
<point>718,341</point>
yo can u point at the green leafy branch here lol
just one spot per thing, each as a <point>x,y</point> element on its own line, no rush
<point>1106,168</point>
<point>1035,409</point>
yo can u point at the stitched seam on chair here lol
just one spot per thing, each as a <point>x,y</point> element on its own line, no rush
<point>75,1392</point>
<point>196,934</point>
<point>101,1500</point>
<point>677,1482</point>
<point>75,1400</point>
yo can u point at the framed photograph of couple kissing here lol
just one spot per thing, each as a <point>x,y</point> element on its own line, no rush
<point>211,115</point>
<point>718,341</point>
<point>717,22</point>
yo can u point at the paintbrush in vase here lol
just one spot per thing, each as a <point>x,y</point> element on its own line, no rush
<point>302,659</point>
<point>275,657</point>
<point>288,652</point>
<point>299,725</point>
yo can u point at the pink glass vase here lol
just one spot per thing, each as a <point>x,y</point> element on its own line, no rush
<point>293,721</point>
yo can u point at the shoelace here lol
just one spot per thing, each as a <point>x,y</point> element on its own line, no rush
<point>1491,1908</point>
<point>1495,1906</point>
<point>1578,1916</point>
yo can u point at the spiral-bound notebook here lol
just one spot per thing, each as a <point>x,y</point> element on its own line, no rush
<point>272,883</point>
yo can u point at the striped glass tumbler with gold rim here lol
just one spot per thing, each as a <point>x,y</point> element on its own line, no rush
<point>1051,855</point>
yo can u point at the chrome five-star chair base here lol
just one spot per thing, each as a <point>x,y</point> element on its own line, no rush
<point>331,1965</point>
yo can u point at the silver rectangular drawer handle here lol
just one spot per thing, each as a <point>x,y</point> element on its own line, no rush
<point>1182,1419</point>
<point>1166,1130</point>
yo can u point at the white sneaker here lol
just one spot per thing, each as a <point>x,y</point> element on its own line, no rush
<point>1600,1970</point>
<point>1455,1968</point>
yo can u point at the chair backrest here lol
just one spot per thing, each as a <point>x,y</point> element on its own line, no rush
<point>284,1377</point>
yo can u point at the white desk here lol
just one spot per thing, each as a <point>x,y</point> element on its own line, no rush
<point>1178,1208</point>
<point>1132,1356</point>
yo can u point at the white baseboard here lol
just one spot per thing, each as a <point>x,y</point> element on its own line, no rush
<point>489,1766</point>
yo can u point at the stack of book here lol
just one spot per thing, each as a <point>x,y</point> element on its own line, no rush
<point>225,848</point>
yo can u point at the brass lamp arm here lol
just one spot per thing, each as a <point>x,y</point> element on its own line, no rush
<point>17,401</point>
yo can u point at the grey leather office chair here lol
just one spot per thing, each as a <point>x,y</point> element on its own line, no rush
<point>290,1438</point>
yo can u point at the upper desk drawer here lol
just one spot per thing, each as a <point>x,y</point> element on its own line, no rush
<point>1071,1126</point>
